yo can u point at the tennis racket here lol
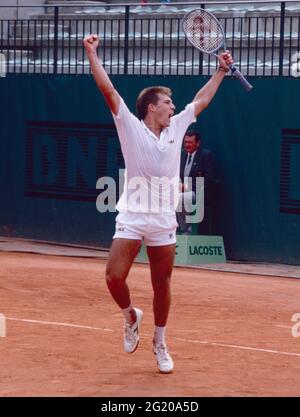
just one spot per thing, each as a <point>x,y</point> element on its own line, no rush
<point>204,32</point>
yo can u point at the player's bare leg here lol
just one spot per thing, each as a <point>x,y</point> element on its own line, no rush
<point>121,257</point>
<point>161,260</point>
<point>161,265</point>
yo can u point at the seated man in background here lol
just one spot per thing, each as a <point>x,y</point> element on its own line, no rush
<point>196,161</point>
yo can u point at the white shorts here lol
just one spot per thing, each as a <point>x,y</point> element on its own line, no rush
<point>155,229</point>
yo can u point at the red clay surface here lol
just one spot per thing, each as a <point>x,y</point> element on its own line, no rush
<point>229,334</point>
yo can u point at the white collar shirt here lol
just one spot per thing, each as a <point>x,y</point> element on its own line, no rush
<point>152,163</point>
<point>189,163</point>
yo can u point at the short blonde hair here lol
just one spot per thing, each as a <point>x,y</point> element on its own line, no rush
<point>149,96</point>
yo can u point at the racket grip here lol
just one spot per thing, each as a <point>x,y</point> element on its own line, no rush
<point>239,76</point>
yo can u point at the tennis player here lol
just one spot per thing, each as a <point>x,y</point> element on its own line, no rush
<point>151,146</point>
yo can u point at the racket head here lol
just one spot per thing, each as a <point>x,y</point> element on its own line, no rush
<point>203,31</point>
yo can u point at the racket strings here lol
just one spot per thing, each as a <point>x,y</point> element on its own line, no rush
<point>203,31</point>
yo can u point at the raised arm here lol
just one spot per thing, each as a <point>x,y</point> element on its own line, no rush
<point>103,82</point>
<point>206,94</point>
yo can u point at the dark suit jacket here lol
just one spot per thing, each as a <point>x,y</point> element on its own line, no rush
<point>203,166</point>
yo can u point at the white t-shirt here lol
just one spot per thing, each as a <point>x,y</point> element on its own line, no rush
<point>152,164</point>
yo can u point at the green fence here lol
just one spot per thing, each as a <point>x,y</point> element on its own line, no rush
<point>58,138</point>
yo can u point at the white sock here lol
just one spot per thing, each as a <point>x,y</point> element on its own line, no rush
<point>129,314</point>
<point>159,335</point>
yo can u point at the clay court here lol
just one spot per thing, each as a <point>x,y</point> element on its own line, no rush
<point>229,333</point>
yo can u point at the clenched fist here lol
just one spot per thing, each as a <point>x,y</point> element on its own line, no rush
<point>225,60</point>
<point>91,43</point>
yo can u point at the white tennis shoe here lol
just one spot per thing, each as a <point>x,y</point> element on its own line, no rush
<point>164,361</point>
<point>131,333</point>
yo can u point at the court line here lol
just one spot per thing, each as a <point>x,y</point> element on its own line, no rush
<point>60,324</point>
<point>283,326</point>
<point>204,342</point>
<point>201,342</point>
